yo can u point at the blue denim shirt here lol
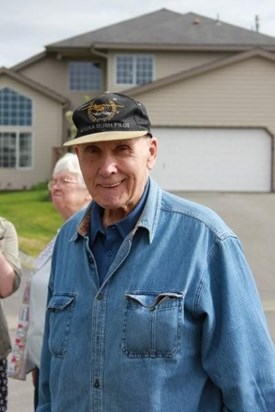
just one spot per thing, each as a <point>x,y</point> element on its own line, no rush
<point>105,242</point>
<point>177,325</point>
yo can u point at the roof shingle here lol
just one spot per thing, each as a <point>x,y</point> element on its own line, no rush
<point>164,28</point>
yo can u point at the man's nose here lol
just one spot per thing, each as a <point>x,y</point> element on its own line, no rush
<point>108,166</point>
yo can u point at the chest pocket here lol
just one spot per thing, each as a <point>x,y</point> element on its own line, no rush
<point>60,310</point>
<point>153,324</point>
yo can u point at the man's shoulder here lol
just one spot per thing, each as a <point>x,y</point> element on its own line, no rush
<point>197,212</point>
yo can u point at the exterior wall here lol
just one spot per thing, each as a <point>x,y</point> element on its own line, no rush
<point>166,63</point>
<point>171,62</point>
<point>54,74</point>
<point>239,95</point>
<point>46,134</point>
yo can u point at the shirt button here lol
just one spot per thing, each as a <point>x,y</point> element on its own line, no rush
<point>96,383</point>
<point>100,296</point>
<point>110,253</point>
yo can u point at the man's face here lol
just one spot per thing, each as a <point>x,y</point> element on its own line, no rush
<point>116,172</point>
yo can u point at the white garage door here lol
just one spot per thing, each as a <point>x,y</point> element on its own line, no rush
<point>213,159</point>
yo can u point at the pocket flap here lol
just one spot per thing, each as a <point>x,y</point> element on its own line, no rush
<point>150,300</point>
<point>60,302</point>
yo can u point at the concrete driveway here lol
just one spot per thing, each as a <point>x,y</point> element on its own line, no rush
<point>251,216</point>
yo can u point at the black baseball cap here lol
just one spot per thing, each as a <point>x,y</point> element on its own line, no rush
<point>110,116</point>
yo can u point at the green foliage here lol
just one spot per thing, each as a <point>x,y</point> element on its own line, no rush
<point>33,215</point>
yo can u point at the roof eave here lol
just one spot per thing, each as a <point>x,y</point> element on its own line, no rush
<point>158,47</point>
<point>29,61</point>
<point>182,47</point>
<point>35,86</point>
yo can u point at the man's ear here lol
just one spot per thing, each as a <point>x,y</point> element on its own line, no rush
<point>153,149</point>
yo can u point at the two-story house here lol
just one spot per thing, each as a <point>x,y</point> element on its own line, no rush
<point>209,88</point>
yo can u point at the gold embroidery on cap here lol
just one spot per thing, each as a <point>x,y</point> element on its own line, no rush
<point>102,111</point>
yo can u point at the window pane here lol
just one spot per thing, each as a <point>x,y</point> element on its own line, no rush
<point>134,69</point>
<point>8,150</point>
<point>124,71</point>
<point>14,155</point>
<point>144,69</point>
<point>85,76</point>
<point>25,150</point>
<point>15,109</point>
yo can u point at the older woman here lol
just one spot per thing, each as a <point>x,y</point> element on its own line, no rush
<point>9,283</point>
<point>68,194</point>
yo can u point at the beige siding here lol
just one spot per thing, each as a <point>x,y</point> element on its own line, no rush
<point>239,95</point>
<point>46,134</point>
<point>54,73</point>
<point>242,94</point>
<point>170,62</point>
<point>50,72</point>
<point>165,63</point>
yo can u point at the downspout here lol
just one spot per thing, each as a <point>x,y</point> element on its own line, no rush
<point>104,56</point>
<point>97,53</point>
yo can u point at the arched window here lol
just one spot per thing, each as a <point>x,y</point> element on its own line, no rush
<point>15,129</point>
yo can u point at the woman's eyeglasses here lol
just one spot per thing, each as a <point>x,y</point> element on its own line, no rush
<point>64,183</point>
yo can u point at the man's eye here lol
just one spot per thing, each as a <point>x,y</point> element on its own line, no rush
<point>123,148</point>
<point>92,149</point>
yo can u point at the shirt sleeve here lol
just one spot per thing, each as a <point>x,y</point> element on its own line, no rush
<point>9,248</point>
<point>237,351</point>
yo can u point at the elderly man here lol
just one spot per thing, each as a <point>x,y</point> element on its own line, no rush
<point>151,306</point>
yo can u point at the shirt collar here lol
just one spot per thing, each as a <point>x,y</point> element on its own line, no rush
<point>149,215</point>
<point>125,225</point>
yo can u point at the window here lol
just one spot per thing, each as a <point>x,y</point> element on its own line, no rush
<point>134,69</point>
<point>15,132</point>
<point>85,76</point>
<point>15,150</point>
<point>15,109</point>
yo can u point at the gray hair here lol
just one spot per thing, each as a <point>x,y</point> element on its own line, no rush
<point>69,163</point>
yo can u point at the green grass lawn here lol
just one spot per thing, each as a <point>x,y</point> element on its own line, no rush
<point>33,215</point>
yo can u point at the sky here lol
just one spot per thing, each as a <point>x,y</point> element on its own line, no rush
<point>26,27</point>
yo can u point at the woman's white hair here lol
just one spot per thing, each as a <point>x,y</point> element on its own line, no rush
<point>68,163</point>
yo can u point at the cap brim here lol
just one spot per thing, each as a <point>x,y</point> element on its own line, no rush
<point>105,137</point>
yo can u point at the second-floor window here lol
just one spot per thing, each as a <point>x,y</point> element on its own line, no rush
<point>85,76</point>
<point>134,69</point>
<point>15,129</point>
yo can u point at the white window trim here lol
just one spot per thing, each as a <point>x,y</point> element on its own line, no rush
<point>132,55</point>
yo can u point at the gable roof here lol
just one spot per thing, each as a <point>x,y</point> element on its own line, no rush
<point>167,29</point>
<point>38,87</point>
<point>199,70</point>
